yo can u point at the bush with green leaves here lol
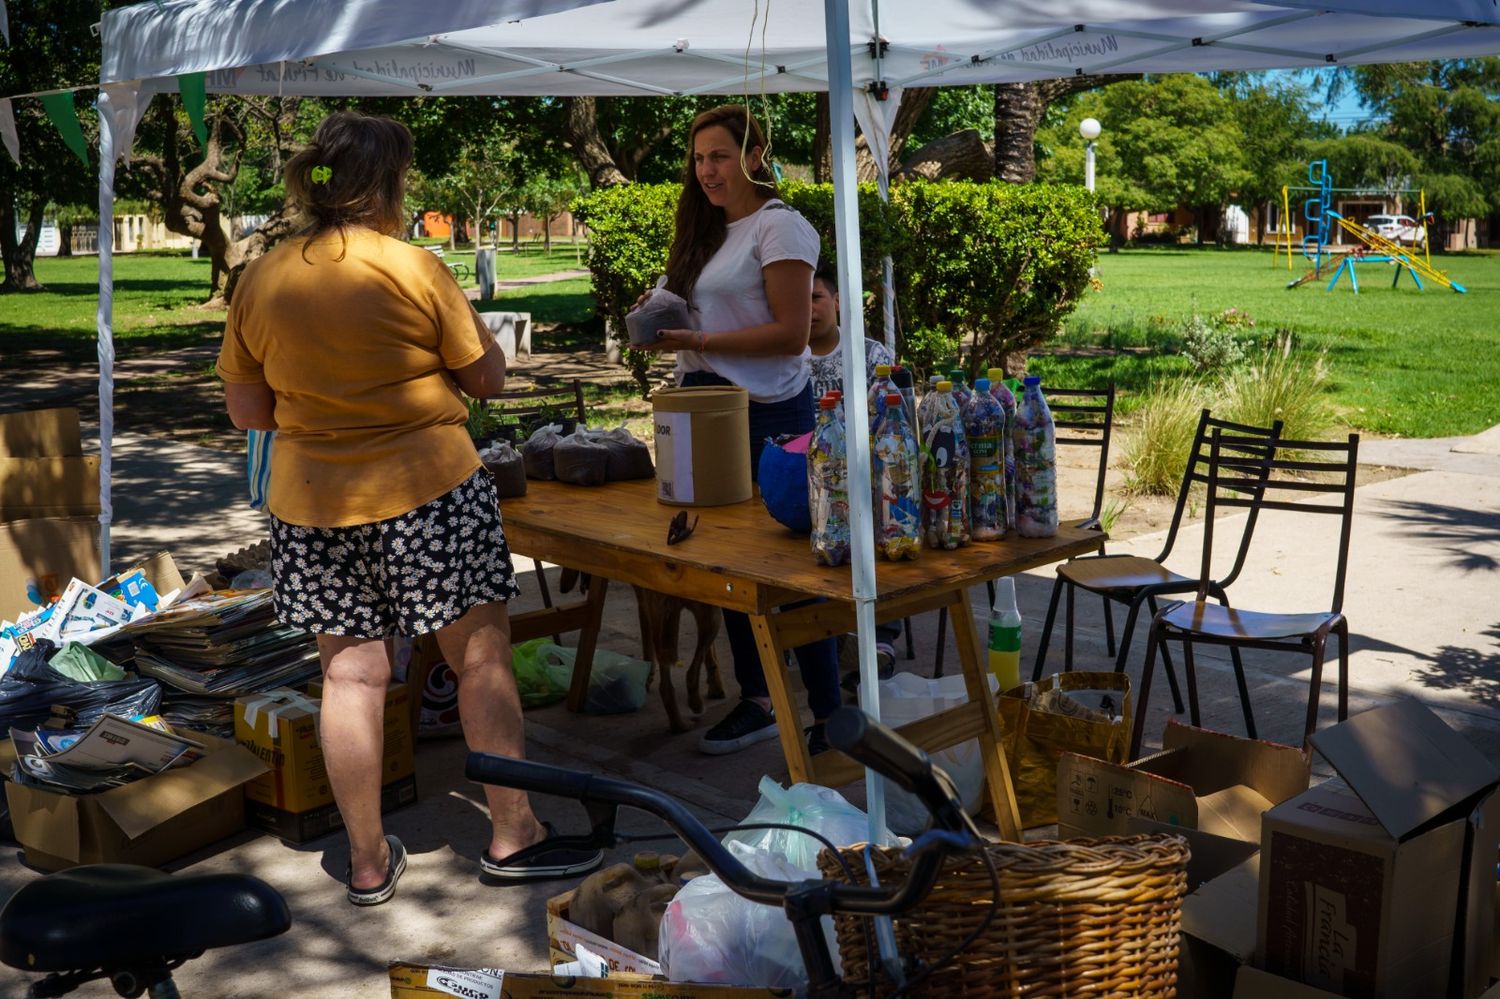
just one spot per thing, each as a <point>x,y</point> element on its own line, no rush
<point>997,267</point>
<point>1161,436</point>
<point>1284,385</point>
<point>1209,346</point>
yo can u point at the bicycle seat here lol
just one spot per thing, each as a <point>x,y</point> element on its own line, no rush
<point>119,915</point>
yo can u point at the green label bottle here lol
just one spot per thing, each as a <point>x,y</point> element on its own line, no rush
<point>1005,635</point>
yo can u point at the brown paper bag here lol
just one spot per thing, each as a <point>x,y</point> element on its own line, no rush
<point>1088,713</point>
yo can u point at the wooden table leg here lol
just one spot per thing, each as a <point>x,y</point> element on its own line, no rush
<point>588,637</point>
<point>788,721</point>
<point>976,679</point>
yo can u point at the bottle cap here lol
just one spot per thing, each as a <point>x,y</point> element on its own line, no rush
<point>945,386</point>
<point>981,385</point>
<point>828,402</point>
<point>835,394</point>
<point>956,376</point>
<point>1033,379</point>
<point>882,371</point>
<point>647,861</point>
<point>893,399</point>
<point>997,375</point>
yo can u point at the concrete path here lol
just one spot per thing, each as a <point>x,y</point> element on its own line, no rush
<point>1423,579</point>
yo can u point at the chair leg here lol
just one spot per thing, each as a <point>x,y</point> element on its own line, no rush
<point>942,641</point>
<point>1041,652</point>
<point>1319,651</point>
<point>541,583</point>
<point>1068,632</point>
<point>1190,671</point>
<point>911,649</point>
<point>1239,679</point>
<point>1152,638</point>
<point>1109,625</point>
<point>1166,660</point>
<point>1342,629</point>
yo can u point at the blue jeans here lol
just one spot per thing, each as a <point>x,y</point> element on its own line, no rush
<point>818,661</point>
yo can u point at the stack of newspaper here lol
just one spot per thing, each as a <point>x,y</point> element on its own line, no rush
<point>111,752</point>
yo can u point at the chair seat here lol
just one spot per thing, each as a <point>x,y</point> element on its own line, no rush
<point>1121,574</point>
<point>1217,621</point>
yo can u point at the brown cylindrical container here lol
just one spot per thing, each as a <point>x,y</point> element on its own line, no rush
<point>702,445</point>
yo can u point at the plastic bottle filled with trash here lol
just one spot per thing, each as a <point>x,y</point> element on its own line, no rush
<point>828,484</point>
<point>945,473</point>
<point>929,396</point>
<point>897,475</point>
<point>880,387</point>
<point>901,381</point>
<point>961,391</point>
<point>1035,440</point>
<point>1007,398</point>
<point>984,422</point>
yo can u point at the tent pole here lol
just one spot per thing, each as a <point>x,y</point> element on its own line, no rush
<point>104,321</point>
<point>856,415</point>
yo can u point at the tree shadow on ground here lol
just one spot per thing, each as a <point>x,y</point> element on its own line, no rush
<point>1461,531</point>
<point>1471,670</point>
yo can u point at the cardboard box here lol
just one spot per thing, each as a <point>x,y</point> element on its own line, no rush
<point>1368,883</point>
<point>40,557</point>
<point>413,981</point>
<point>1252,983</point>
<point>1219,923</point>
<point>564,936</point>
<point>151,821</point>
<point>1207,781</point>
<point>48,487</point>
<point>293,798</point>
<point>40,432</point>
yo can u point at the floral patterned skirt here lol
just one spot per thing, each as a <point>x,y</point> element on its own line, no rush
<point>414,573</point>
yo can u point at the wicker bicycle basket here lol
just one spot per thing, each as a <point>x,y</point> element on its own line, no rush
<point>1087,917</point>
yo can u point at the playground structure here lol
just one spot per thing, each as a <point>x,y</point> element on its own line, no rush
<point>1369,247</point>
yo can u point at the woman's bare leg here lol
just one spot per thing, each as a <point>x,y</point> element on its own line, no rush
<point>356,673</point>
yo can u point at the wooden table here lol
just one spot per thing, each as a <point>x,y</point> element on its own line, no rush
<point>740,559</point>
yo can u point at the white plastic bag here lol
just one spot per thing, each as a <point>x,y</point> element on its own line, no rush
<point>710,934</point>
<point>906,698</point>
<point>810,806</point>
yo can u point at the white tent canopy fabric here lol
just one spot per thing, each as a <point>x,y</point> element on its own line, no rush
<point>645,47</point>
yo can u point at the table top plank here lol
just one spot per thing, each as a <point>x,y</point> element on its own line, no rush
<point>622,522</point>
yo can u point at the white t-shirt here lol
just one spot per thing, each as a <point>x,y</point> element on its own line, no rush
<point>731,295</point>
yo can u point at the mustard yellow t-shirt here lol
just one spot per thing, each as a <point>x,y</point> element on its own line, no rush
<point>370,425</point>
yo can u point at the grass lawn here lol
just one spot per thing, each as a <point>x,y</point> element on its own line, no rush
<point>530,262</point>
<point>1406,362</point>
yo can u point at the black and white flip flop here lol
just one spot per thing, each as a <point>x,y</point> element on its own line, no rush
<point>554,857</point>
<point>386,888</point>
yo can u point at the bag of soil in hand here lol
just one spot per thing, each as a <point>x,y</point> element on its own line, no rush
<point>581,460</point>
<point>663,310</point>
<point>537,452</point>
<point>628,457</point>
<point>507,467</point>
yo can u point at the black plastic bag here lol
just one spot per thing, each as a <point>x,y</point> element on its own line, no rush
<point>32,691</point>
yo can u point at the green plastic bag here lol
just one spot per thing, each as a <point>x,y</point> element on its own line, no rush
<point>540,678</point>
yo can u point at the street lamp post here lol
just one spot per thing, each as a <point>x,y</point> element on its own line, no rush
<point>1089,128</point>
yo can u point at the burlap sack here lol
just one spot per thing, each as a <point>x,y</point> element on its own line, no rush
<point>1041,721</point>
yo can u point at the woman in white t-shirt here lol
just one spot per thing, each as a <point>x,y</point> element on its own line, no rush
<point>744,262</point>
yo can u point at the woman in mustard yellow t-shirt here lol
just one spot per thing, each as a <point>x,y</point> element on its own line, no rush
<point>353,346</point>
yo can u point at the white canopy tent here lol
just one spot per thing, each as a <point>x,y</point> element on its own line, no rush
<point>646,47</point>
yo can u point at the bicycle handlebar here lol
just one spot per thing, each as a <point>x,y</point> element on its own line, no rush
<point>849,729</point>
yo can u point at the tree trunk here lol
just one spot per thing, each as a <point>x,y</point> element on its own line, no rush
<point>589,146</point>
<point>959,156</point>
<point>65,240</point>
<point>1019,108</point>
<point>822,152</point>
<point>547,235</point>
<point>19,255</point>
<point>515,232</point>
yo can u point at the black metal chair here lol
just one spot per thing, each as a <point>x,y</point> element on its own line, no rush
<point>1136,580</point>
<point>1082,418</point>
<point>1197,621</point>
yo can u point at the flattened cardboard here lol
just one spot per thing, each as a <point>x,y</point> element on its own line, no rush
<point>414,981</point>
<point>44,555</point>
<point>48,487</point>
<point>1218,931</point>
<point>1252,983</point>
<point>151,821</point>
<point>564,936</point>
<point>41,432</point>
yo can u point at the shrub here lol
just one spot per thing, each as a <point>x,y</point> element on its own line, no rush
<point>1280,385</point>
<point>997,265</point>
<point>1209,346</point>
<point>1161,437</point>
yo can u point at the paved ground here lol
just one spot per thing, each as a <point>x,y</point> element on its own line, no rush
<point>1421,599</point>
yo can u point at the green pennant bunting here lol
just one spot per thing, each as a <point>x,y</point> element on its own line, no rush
<point>64,118</point>
<point>195,102</point>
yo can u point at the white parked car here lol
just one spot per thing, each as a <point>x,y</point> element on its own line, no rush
<point>1402,229</point>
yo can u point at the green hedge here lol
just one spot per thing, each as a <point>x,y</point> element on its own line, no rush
<point>989,267</point>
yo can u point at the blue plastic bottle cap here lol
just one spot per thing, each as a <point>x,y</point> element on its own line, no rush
<point>1033,379</point>
<point>981,384</point>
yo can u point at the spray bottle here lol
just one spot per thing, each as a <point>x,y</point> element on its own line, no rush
<point>1005,635</point>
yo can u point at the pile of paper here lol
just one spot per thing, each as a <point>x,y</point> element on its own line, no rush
<point>84,613</point>
<point>111,752</point>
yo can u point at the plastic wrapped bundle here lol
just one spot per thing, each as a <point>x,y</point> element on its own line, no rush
<point>507,467</point>
<point>581,460</point>
<point>663,310</point>
<point>537,452</point>
<point>628,457</point>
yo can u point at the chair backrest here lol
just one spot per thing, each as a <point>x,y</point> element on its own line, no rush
<point>1299,477</point>
<point>1085,417</point>
<point>523,410</point>
<point>1196,472</point>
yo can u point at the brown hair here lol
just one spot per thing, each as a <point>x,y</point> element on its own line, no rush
<point>700,223</point>
<point>352,173</point>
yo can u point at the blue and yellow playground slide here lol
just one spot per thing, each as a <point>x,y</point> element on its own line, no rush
<point>1369,247</point>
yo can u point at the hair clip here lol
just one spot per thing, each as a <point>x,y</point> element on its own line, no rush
<point>322,174</point>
